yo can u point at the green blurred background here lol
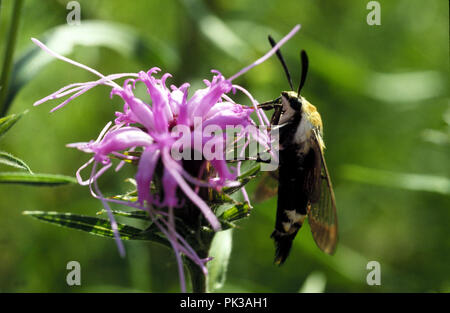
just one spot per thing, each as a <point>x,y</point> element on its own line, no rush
<point>382,92</point>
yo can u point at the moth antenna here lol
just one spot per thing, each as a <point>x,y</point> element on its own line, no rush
<point>280,57</point>
<point>305,63</point>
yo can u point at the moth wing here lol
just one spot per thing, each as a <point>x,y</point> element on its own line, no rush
<point>267,187</point>
<point>312,181</point>
<point>322,215</point>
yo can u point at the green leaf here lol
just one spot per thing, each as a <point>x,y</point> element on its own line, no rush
<point>244,178</point>
<point>229,212</point>
<point>10,44</point>
<point>10,160</point>
<point>249,168</point>
<point>35,179</point>
<point>220,251</point>
<point>219,198</point>
<point>94,226</point>
<point>62,39</point>
<point>8,121</point>
<point>141,215</point>
<point>235,212</point>
<point>126,197</point>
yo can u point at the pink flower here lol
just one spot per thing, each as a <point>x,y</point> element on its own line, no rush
<point>149,126</point>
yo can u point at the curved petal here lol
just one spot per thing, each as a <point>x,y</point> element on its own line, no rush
<point>208,97</point>
<point>160,101</point>
<point>144,176</point>
<point>170,188</point>
<point>222,170</point>
<point>237,116</point>
<point>218,107</point>
<point>141,111</point>
<point>120,139</point>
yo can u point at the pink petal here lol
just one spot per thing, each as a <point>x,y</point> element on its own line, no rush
<point>144,176</point>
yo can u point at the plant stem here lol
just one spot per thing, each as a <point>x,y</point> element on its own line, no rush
<point>198,279</point>
<point>9,52</point>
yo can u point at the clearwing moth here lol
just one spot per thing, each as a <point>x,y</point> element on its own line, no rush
<point>304,185</point>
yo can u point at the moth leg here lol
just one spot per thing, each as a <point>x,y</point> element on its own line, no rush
<point>276,116</point>
<point>257,159</point>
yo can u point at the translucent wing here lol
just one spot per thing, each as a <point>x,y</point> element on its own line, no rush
<point>267,187</point>
<point>322,215</point>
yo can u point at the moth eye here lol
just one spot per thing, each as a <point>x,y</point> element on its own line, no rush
<point>295,103</point>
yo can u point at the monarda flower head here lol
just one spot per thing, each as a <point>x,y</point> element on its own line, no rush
<point>178,143</point>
